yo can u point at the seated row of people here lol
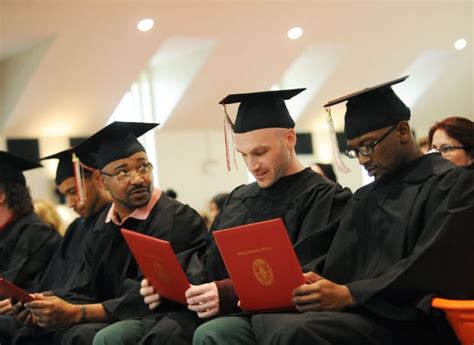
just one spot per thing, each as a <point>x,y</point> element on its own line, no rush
<point>372,260</point>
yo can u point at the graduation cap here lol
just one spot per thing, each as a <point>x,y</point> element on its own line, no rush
<point>12,167</point>
<point>116,141</point>
<point>65,168</point>
<point>372,108</point>
<point>259,110</point>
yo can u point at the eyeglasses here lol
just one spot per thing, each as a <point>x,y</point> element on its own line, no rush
<point>367,149</point>
<point>447,149</point>
<point>127,176</point>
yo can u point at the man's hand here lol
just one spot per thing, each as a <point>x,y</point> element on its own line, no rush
<point>51,312</point>
<point>321,294</point>
<point>23,315</point>
<point>151,298</point>
<point>203,299</point>
<point>5,306</point>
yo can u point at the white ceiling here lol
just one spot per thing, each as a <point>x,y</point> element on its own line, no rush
<point>66,64</point>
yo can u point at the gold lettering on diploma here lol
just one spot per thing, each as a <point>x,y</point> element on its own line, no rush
<point>254,251</point>
<point>263,272</point>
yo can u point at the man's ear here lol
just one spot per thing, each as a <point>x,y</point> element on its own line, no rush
<point>404,131</point>
<point>99,180</point>
<point>291,138</point>
<point>3,197</point>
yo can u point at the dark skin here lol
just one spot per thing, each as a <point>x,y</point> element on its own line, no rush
<point>398,149</point>
<point>52,312</point>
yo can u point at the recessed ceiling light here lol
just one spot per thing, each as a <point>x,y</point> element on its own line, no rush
<point>460,44</point>
<point>145,24</point>
<point>295,33</point>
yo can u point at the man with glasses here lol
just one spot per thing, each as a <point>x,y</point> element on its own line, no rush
<point>106,289</point>
<point>405,237</point>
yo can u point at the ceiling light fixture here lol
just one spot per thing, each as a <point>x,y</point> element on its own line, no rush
<point>145,24</point>
<point>460,44</point>
<point>295,33</point>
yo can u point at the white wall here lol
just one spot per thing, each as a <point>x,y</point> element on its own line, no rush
<point>193,164</point>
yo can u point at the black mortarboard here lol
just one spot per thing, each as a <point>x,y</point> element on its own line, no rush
<point>259,110</point>
<point>65,168</point>
<point>12,167</point>
<point>372,108</point>
<point>116,141</point>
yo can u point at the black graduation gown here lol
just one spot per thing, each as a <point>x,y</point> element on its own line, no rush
<point>310,206</point>
<point>26,247</point>
<point>59,274</point>
<point>67,260</point>
<point>111,275</point>
<point>402,240</point>
<point>61,267</point>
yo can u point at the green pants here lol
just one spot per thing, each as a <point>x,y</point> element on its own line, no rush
<point>229,330</point>
<point>128,332</point>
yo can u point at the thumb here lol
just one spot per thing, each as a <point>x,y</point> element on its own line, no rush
<point>312,277</point>
<point>43,296</point>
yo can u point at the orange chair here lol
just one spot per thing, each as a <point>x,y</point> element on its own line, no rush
<point>460,315</point>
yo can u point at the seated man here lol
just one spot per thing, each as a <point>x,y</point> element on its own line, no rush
<point>26,243</point>
<point>310,206</point>
<point>405,237</point>
<point>65,263</point>
<point>106,288</point>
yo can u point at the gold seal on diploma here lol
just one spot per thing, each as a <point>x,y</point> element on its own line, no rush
<point>162,273</point>
<point>263,272</point>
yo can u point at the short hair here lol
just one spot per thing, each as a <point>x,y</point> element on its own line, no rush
<point>423,141</point>
<point>219,200</point>
<point>328,171</point>
<point>18,197</point>
<point>171,193</point>
<point>458,128</point>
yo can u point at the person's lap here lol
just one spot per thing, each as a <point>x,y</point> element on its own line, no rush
<point>120,333</point>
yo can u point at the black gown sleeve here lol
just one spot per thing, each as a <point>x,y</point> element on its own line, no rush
<point>440,262</point>
<point>31,252</point>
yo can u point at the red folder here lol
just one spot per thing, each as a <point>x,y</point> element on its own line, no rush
<point>261,263</point>
<point>8,289</point>
<point>159,264</point>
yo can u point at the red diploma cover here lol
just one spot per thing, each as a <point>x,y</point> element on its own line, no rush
<point>159,264</point>
<point>261,263</point>
<point>8,289</point>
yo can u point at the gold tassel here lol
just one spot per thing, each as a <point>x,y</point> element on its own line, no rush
<point>229,140</point>
<point>335,147</point>
<point>79,180</point>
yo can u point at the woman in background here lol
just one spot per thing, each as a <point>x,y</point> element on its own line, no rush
<point>46,210</point>
<point>453,137</point>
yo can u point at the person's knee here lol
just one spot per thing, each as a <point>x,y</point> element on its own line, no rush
<point>120,333</point>
<point>231,330</point>
<point>206,334</point>
<point>103,337</point>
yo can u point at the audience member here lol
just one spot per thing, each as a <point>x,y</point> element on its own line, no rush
<point>46,210</point>
<point>325,170</point>
<point>454,139</point>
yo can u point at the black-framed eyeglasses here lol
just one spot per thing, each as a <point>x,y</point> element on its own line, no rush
<point>367,149</point>
<point>446,149</point>
<point>127,176</point>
